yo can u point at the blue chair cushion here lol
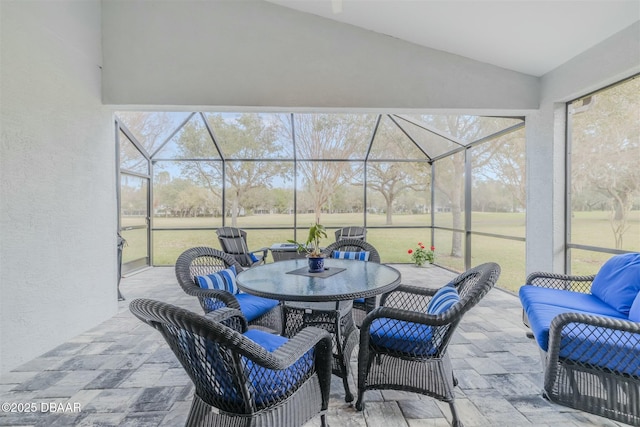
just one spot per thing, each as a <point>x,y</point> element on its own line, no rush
<point>268,384</point>
<point>618,281</point>
<point>253,306</point>
<point>223,280</point>
<point>406,337</point>
<point>359,256</point>
<point>634,312</point>
<point>360,300</point>
<point>253,257</point>
<point>443,300</point>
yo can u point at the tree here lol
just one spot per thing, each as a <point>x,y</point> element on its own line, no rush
<point>449,176</point>
<point>149,129</point>
<point>606,150</point>
<point>247,136</point>
<point>324,137</point>
<point>506,162</point>
<point>392,179</point>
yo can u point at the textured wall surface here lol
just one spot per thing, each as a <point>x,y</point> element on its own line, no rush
<point>57,179</point>
<point>253,53</point>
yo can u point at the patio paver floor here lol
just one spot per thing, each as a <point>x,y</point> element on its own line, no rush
<point>122,373</point>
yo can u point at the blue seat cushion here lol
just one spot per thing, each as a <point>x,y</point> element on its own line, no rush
<point>254,257</point>
<point>406,337</point>
<point>223,280</point>
<point>618,281</point>
<point>541,312</point>
<point>562,298</point>
<point>253,307</point>
<point>360,300</point>
<point>359,256</point>
<point>266,385</point>
<point>602,347</point>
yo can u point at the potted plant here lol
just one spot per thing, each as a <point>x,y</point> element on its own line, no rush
<point>421,255</point>
<point>312,248</point>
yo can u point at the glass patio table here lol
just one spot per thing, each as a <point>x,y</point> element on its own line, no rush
<point>321,299</point>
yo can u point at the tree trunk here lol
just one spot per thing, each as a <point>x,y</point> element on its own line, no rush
<point>389,211</point>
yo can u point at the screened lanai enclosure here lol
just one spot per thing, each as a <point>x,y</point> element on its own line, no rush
<point>408,179</point>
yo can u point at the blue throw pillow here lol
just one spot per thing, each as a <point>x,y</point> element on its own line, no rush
<point>634,312</point>
<point>443,299</point>
<point>253,257</point>
<point>618,281</point>
<point>360,256</point>
<point>224,280</point>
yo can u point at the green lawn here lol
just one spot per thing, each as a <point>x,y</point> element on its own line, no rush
<point>590,228</point>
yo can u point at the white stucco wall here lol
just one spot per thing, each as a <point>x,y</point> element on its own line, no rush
<point>608,62</point>
<point>57,178</point>
<point>256,54</point>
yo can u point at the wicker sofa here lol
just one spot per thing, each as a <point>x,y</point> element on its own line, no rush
<point>588,331</point>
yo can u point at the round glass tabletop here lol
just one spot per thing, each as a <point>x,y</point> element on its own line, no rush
<point>342,280</point>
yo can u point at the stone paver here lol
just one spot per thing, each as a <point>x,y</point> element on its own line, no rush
<point>122,373</point>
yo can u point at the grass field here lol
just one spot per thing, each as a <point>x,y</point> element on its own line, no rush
<point>591,228</point>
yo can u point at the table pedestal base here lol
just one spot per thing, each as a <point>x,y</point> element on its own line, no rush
<point>334,317</point>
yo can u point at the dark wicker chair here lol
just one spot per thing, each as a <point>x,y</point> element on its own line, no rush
<point>244,377</point>
<point>363,306</point>
<point>591,388</point>
<point>201,261</point>
<point>359,233</point>
<point>424,365</point>
<point>233,241</point>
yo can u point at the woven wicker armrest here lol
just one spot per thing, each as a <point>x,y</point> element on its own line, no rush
<point>404,315</point>
<point>561,281</point>
<point>230,317</point>
<point>626,332</point>
<point>562,320</point>
<point>302,342</point>
<point>407,297</point>
<point>226,297</point>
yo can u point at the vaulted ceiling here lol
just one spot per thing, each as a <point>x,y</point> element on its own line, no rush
<point>529,36</point>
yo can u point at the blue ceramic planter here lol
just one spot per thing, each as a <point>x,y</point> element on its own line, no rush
<point>316,265</point>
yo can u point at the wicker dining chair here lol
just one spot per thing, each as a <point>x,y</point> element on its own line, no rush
<point>402,347</point>
<point>352,232</point>
<point>361,306</point>
<point>233,241</point>
<point>201,261</point>
<point>244,377</point>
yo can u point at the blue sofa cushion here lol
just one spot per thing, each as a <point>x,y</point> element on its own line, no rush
<point>634,312</point>
<point>571,300</point>
<point>541,310</point>
<point>253,307</point>
<point>402,336</point>
<point>602,347</point>
<point>618,281</point>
